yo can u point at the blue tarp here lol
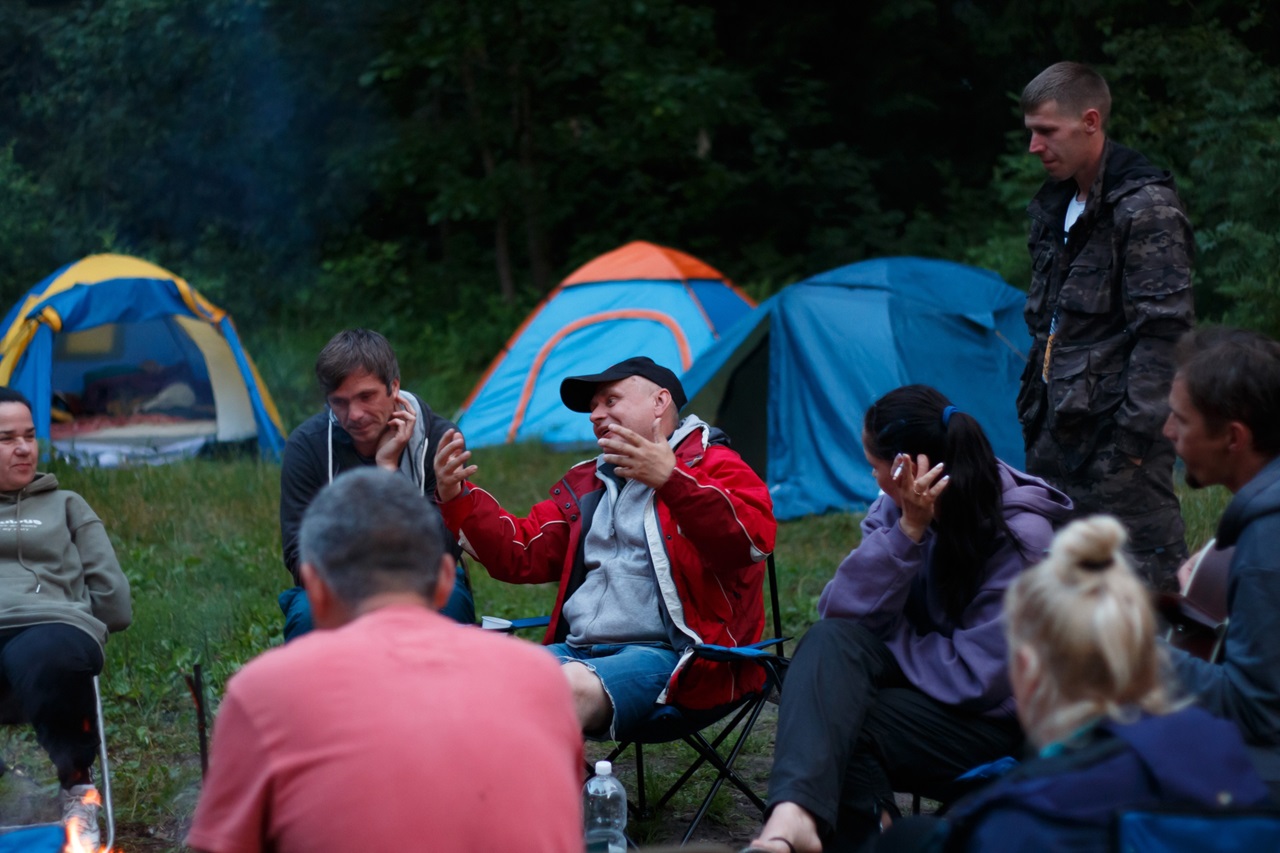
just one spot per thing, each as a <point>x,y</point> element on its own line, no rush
<point>34,839</point>
<point>809,362</point>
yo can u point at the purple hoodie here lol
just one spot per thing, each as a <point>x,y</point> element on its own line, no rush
<point>884,584</point>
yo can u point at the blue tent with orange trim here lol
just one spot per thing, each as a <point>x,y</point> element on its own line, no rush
<point>640,299</point>
<point>792,383</point>
<point>124,361</point>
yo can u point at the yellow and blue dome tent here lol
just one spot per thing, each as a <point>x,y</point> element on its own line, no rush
<point>124,361</point>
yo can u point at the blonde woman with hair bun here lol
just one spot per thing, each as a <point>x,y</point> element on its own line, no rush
<point>1088,678</point>
<point>1082,636</point>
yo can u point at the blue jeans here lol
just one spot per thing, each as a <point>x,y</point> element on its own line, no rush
<point>460,607</point>
<point>633,675</point>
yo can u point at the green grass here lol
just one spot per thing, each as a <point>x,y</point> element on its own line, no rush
<point>200,543</point>
<point>1201,509</point>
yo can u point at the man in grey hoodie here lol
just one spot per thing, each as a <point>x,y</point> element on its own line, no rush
<point>1224,422</point>
<point>61,593</point>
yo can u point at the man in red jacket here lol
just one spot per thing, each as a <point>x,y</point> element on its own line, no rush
<point>657,544</point>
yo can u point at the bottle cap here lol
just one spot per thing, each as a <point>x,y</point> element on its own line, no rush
<point>604,768</point>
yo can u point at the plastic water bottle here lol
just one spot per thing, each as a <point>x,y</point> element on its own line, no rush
<point>604,810</point>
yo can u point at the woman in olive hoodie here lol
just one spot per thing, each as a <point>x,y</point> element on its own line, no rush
<point>61,593</point>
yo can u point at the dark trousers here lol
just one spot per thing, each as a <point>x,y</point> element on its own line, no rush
<point>852,730</point>
<point>1141,496</point>
<point>49,670</point>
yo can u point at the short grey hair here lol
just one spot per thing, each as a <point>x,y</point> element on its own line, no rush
<point>369,532</point>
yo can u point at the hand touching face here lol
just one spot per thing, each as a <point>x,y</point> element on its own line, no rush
<point>637,457</point>
<point>397,432</point>
<point>913,485</point>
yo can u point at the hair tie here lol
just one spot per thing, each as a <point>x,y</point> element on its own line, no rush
<point>946,415</point>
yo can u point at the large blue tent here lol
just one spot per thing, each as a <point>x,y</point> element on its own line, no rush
<point>791,383</point>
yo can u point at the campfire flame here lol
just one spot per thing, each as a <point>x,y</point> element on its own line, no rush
<point>73,838</point>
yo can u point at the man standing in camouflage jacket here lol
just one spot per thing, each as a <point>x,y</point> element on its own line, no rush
<point>1110,295</point>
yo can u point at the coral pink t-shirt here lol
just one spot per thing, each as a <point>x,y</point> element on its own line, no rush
<point>399,731</point>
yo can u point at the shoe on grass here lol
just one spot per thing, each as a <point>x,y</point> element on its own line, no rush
<point>80,807</point>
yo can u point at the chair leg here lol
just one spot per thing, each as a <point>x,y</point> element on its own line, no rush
<point>637,805</point>
<point>699,745</point>
<point>641,805</point>
<point>725,772</point>
<point>707,753</point>
<point>106,769</point>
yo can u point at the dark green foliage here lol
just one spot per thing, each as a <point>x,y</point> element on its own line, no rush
<point>432,169</point>
<point>1216,122</point>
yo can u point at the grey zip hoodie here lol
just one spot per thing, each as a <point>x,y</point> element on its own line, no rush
<point>57,564</point>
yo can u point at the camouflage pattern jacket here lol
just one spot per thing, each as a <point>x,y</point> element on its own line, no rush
<point>1120,283</point>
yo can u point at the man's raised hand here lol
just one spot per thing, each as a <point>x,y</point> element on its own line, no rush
<point>638,458</point>
<point>451,465</point>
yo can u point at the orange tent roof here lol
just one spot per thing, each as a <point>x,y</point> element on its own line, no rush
<point>641,260</point>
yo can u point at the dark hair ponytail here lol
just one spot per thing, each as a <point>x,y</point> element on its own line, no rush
<point>970,520</point>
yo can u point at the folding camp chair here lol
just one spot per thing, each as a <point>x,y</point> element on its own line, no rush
<point>668,723</point>
<point>11,714</point>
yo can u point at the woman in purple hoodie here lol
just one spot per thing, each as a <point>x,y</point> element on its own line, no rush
<point>903,684</point>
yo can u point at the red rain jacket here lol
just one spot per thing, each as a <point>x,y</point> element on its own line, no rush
<point>714,528</point>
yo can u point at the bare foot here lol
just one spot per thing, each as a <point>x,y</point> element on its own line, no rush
<point>790,829</point>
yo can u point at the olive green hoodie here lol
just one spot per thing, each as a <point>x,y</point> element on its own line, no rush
<point>57,564</point>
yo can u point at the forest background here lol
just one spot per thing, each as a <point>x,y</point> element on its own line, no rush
<point>431,169</point>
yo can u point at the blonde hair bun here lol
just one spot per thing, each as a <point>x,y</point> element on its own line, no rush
<point>1090,544</point>
<point>1086,617</point>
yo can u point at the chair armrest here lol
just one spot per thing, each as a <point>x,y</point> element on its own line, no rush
<point>509,626</point>
<point>755,651</point>
<point>774,665</point>
<point>530,622</point>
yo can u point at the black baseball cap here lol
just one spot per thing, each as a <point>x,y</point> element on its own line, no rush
<point>577,391</point>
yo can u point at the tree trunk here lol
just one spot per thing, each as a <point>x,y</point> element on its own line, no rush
<point>501,226</point>
<point>502,258</point>
<point>531,192</point>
